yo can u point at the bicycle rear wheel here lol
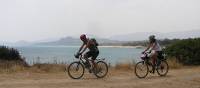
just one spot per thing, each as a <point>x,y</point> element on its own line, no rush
<point>141,69</point>
<point>101,69</point>
<point>76,70</point>
<point>163,68</point>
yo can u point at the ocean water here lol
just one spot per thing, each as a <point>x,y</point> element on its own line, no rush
<point>65,54</point>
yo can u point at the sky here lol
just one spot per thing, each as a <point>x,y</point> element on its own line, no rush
<point>34,20</point>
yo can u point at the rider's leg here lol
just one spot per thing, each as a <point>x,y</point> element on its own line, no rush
<point>95,55</point>
<point>154,58</point>
<point>94,64</point>
<point>159,57</point>
<point>86,56</point>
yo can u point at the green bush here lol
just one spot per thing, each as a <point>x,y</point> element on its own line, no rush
<point>8,55</point>
<point>186,51</point>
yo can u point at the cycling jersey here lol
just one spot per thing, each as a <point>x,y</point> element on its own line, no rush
<point>92,45</point>
<point>156,47</point>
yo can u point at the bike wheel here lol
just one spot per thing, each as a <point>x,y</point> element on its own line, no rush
<point>141,69</point>
<point>76,70</point>
<point>163,68</point>
<point>101,69</point>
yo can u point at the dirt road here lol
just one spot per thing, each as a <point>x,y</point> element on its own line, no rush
<point>178,78</point>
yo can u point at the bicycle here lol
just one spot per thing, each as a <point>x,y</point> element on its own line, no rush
<point>76,69</point>
<point>142,68</point>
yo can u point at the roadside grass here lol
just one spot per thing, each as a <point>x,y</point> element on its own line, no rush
<point>48,68</point>
<point>12,66</point>
<point>174,64</point>
<point>127,65</point>
<point>15,66</point>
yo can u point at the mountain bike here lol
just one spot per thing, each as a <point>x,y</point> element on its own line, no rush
<point>144,67</point>
<point>76,69</point>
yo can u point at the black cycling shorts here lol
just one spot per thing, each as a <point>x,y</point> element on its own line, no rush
<point>92,54</point>
<point>160,55</point>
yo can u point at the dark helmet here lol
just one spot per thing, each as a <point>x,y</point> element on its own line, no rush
<point>152,38</point>
<point>83,37</point>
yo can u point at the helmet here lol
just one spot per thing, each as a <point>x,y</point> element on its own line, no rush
<point>83,37</point>
<point>152,37</point>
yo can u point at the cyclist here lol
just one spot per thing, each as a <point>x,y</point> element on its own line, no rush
<point>93,52</point>
<point>155,49</point>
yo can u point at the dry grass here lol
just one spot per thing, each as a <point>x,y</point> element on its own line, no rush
<point>52,68</point>
<point>124,66</point>
<point>174,64</point>
<point>15,66</point>
<point>12,66</point>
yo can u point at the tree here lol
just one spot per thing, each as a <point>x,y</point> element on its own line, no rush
<point>186,51</point>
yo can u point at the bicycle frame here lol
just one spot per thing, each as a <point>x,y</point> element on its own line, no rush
<point>81,59</point>
<point>155,67</point>
<point>81,64</point>
<point>145,57</point>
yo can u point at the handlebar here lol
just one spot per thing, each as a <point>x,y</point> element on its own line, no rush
<point>101,59</point>
<point>78,55</point>
<point>147,52</point>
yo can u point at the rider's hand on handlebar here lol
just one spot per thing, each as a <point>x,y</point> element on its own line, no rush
<point>77,54</point>
<point>143,52</point>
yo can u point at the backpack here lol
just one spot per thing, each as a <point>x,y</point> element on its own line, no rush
<point>94,40</point>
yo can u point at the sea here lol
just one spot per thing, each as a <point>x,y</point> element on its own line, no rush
<point>65,54</point>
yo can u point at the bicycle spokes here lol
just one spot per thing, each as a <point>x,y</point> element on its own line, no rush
<point>77,67</point>
<point>101,69</point>
<point>141,69</point>
<point>76,70</point>
<point>163,68</point>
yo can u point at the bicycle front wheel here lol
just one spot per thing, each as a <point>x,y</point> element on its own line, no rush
<point>76,70</point>
<point>101,69</point>
<point>141,69</point>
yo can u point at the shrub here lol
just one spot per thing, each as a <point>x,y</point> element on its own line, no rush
<point>11,54</point>
<point>186,51</point>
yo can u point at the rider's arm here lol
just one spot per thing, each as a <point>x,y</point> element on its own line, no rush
<point>85,47</point>
<point>153,45</point>
<point>81,48</point>
<point>147,48</point>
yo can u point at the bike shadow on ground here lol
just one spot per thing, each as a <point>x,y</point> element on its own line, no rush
<point>92,77</point>
<point>159,77</point>
<point>89,78</point>
<point>152,76</point>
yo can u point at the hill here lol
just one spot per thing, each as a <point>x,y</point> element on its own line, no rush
<point>75,41</point>
<point>144,35</point>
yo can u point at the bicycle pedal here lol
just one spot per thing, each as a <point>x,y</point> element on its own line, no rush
<point>87,65</point>
<point>152,72</point>
<point>90,71</point>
